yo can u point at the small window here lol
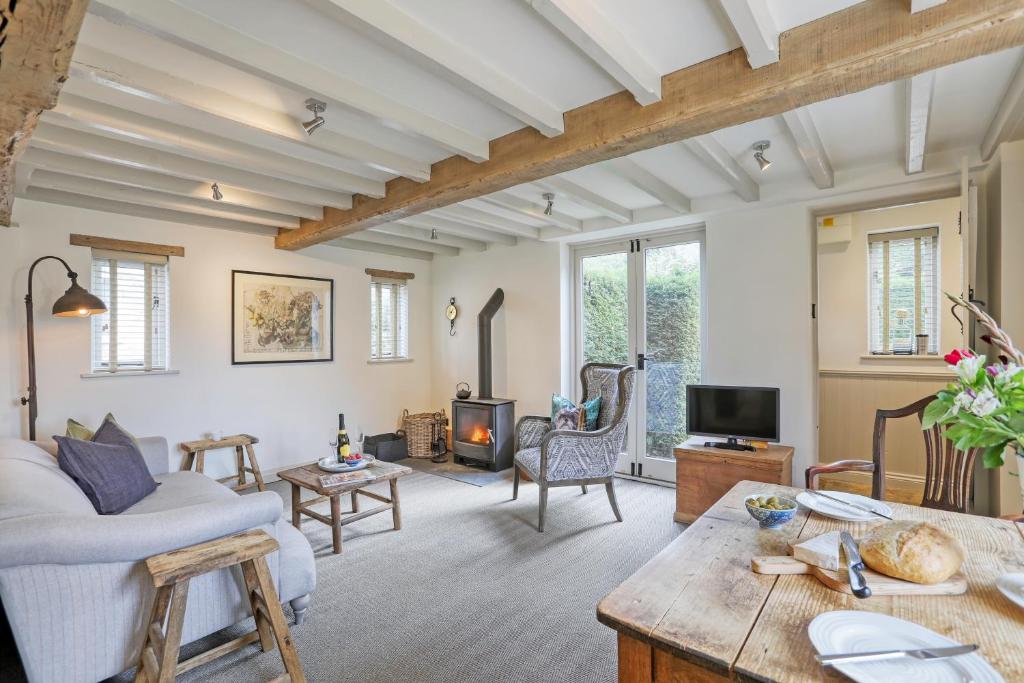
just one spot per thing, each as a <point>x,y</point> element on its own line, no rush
<point>904,287</point>
<point>389,319</point>
<point>133,333</point>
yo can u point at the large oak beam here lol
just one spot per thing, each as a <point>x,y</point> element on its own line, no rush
<point>36,41</point>
<point>867,44</point>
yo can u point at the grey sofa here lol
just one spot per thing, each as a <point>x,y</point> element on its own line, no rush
<point>73,584</point>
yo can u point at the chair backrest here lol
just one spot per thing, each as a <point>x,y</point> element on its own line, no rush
<point>614,384</point>
<point>949,471</point>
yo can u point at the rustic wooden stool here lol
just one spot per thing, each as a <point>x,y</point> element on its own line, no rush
<point>195,452</point>
<point>171,572</point>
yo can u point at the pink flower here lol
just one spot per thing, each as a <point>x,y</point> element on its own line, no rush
<point>956,355</point>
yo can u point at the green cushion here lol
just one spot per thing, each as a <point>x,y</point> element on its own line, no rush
<point>77,430</point>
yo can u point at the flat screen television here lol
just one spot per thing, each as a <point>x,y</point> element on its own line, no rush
<point>732,413</point>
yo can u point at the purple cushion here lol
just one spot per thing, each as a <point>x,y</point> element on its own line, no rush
<point>110,469</point>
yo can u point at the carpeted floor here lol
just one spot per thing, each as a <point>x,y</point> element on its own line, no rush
<point>468,590</point>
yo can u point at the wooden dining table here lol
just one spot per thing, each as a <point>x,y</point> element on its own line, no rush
<point>696,612</point>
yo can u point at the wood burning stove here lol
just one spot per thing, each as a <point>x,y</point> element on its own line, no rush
<point>483,427</point>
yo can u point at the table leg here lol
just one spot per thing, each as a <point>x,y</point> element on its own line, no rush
<point>396,513</point>
<point>240,464</point>
<point>200,461</point>
<point>355,502</point>
<point>296,516</point>
<point>255,467</point>
<point>186,461</point>
<point>336,522</point>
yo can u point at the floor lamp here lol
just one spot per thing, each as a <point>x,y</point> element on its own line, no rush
<point>74,303</point>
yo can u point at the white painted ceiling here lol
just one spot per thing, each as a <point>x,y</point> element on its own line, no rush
<point>159,77</point>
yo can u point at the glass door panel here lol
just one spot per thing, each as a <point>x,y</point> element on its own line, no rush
<point>604,308</point>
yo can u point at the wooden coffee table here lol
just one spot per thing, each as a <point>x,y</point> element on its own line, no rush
<point>308,477</point>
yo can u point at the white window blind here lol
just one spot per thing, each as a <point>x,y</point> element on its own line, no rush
<point>389,319</point>
<point>904,288</point>
<point>133,333</point>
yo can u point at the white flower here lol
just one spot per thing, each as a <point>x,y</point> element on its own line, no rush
<point>967,368</point>
<point>962,401</point>
<point>985,403</point>
<point>1008,373</point>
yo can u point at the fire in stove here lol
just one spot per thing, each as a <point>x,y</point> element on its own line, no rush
<point>480,435</point>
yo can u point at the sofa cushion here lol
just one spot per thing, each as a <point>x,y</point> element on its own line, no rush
<point>112,475</point>
<point>179,489</point>
<point>31,483</point>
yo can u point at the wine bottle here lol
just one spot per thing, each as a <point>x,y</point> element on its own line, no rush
<point>343,441</point>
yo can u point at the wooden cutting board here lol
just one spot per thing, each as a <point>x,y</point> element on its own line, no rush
<point>880,584</point>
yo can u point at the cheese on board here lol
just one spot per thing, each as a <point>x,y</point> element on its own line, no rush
<point>821,551</point>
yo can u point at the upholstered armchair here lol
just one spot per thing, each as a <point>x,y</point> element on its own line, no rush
<point>562,457</point>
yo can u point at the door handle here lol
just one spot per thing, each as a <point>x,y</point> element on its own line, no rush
<point>641,361</point>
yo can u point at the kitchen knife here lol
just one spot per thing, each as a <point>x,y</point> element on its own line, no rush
<point>926,653</point>
<point>856,566</point>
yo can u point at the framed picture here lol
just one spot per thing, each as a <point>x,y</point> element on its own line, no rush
<point>281,318</point>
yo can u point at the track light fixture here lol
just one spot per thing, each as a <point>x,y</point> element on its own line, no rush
<point>317,107</point>
<point>759,148</point>
<point>433,233</point>
<point>216,192</point>
<point>550,199</point>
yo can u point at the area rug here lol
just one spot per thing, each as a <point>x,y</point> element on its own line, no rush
<point>477,476</point>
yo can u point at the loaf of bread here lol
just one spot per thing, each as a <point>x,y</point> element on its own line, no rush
<point>912,551</point>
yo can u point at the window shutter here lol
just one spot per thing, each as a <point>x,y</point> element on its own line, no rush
<point>389,318</point>
<point>903,281</point>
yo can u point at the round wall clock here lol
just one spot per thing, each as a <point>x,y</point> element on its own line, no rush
<point>451,313</point>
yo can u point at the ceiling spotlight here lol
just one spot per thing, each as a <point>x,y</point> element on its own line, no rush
<point>216,192</point>
<point>433,233</point>
<point>550,199</point>
<point>317,107</point>
<point>759,148</point>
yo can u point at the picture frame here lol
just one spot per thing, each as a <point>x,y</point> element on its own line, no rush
<point>278,318</point>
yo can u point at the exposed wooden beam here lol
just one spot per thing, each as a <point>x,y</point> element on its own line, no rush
<point>808,143</point>
<point>360,245</point>
<point>111,244</point>
<point>488,221</point>
<point>392,241</point>
<point>135,195</point>
<point>1006,122</point>
<point>425,235</point>
<point>84,167</point>
<point>229,116</point>
<point>78,143</point>
<point>598,38</point>
<point>919,109</point>
<point>642,179</point>
<point>756,28</point>
<point>718,160</point>
<point>866,44</point>
<point>449,226</point>
<point>96,117</point>
<point>921,5</point>
<point>82,201</point>
<point>578,194</point>
<point>196,31</point>
<point>386,23</point>
<point>36,42</point>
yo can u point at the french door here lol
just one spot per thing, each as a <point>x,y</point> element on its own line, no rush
<point>641,302</point>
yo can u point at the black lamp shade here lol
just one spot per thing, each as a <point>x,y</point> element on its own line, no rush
<point>77,302</point>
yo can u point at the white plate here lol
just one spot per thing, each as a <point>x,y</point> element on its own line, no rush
<point>824,506</point>
<point>1012,586</point>
<point>331,464</point>
<point>852,631</point>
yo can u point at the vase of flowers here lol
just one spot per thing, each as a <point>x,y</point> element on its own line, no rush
<point>984,407</point>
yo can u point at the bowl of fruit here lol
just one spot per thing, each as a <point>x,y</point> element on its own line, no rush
<point>352,462</point>
<point>771,512</point>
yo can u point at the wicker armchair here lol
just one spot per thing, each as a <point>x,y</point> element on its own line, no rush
<point>560,457</point>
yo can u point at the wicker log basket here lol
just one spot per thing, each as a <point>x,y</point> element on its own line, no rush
<point>422,431</point>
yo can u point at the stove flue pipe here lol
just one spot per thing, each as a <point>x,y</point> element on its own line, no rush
<point>487,313</point>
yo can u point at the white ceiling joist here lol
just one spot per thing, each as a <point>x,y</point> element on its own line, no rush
<point>756,28</point>
<point>384,22</point>
<point>171,21</point>
<point>392,241</point>
<point>580,195</point>
<point>598,37</point>
<point>75,142</point>
<point>362,245</point>
<point>488,221</point>
<point>229,116</point>
<point>718,160</point>
<point>135,195</point>
<point>135,177</point>
<point>22,175</point>
<point>919,109</point>
<point>458,228</point>
<point>125,209</point>
<point>1008,117</point>
<point>808,143</point>
<point>644,180</point>
<point>921,5</point>
<point>531,210</point>
<point>424,235</point>
<point>84,114</point>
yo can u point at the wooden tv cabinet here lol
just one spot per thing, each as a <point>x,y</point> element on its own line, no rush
<point>703,474</point>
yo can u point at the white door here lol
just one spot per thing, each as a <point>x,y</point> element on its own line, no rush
<point>641,301</point>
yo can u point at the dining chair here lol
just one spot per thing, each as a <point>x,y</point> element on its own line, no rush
<point>949,471</point>
<point>563,457</point>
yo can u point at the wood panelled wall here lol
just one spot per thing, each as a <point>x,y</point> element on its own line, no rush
<point>847,400</point>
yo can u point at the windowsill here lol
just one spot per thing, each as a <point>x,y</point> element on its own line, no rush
<point>902,357</point>
<point>387,361</point>
<point>127,373</point>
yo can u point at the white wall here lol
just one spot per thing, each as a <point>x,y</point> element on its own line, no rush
<point>291,408</point>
